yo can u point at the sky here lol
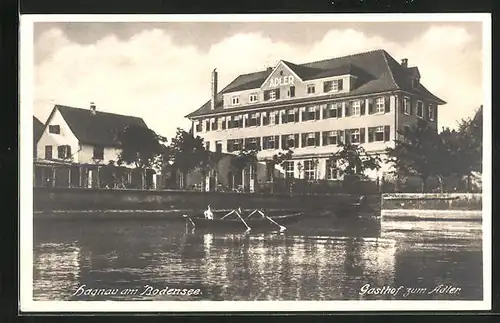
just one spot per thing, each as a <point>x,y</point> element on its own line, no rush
<point>161,71</point>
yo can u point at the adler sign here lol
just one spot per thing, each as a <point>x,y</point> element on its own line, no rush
<point>279,81</point>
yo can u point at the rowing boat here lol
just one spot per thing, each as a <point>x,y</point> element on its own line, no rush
<point>255,220</point>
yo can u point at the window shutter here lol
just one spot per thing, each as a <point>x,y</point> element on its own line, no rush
<point>363,108</point>
<point>325,86</point>
<point>284,142</point>
<point>304,114</point>
<point>258,144</point>
<point>316,139</point>
<point>247,143</point>
<point>387,104</point>
<point>68,151</point>
<point>362,135</point>
<point>265,142</point>
<point>296,119</point>
<point>266,95</point>
<point>387,133</point>
<point>317,113</point>
<point>347,137</point>
<point>276,142</point>
<point>277,117</point>
<point>277,94</point>
<point>325,111</point>
<point>284,117</point>
<point>229,145</point>
<point>303,141</point>
<point>425,112</point>
<point>292,91</point>
<point>340,84</point>
<point>296,139</point>
<point>258,119</point>
<point>412,107</point>
<point>325,138</point>
<point>339,111</point>
<point>371,133</point>
<point>401,103</point>
<point>370,106</point>
<point>348,106</point>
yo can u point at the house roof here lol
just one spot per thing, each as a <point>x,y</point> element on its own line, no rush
<point>376,72</point>
<point>38,127</point>
<point>96,129</point>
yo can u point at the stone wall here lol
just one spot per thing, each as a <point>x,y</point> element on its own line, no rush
<point>440,201</point>
<point>46,199</point>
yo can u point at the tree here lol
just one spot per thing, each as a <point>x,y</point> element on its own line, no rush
<point>278,159</point>
<point>188,153</point>
<point>140,146</point>
<point>245,157</point>
<point>352,160</point>
<point>420,152</point>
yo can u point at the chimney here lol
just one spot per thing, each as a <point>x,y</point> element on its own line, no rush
<point>214,89</point>
<point>92,108</point>
<point>404,62</point>
<point>269,69</point>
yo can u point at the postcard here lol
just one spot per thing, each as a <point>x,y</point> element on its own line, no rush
<point>228,163</point>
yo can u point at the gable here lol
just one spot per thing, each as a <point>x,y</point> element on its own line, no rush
<point>282,75</point>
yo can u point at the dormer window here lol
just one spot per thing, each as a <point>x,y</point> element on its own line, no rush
<point>236,100</point>
<point>56,129</point>
<point>333,86</point>
<point>311,89</point>
<point>253,97</point>
<point>271,94</point>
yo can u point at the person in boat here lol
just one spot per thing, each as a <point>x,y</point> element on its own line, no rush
<point>208,214</point>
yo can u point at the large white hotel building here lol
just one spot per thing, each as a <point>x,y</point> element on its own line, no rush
<point>362,98</point>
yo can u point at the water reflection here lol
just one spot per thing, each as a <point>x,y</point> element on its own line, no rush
<point>255,266</point>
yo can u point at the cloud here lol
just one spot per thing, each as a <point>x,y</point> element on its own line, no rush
<point>150,76</point>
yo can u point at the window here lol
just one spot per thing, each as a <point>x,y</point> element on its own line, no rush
<point>275,118</point>
<point>310,139</point>
<point>310,113</point>
<point>215,124</point>
<point>64,152</point>
<point>218,146</point>
<point>289,141</point>
<point>271,94</point>
<point>406,105</point>
<point>331,170</point>
<point>270,142</point>
<point>224,124</point>
<point>207,125</point>
<point>236,100</point>
<point>310,169</point>
<point>333,86</point>
<point>355,136</point>
<point>98,152</point>
<point>289,169</point>
<point>310,89</point>
<point>54,129</point>
<point>291,116</point>
<point>356,108</point>
<point>376,134</point>
<point>253,97</point>
<point>199,127</point>
<point>252,143</point>
<point>291,92</point>
<point>431,112</point>
<point>236,122</point>
<point>330,138</point>
<point>48,152</point>
<point>234,145</point>
<point>420,109</point>
<point>380,105</point>
<point>254,119</point>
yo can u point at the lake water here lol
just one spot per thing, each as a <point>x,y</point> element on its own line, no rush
<point>315,259</point>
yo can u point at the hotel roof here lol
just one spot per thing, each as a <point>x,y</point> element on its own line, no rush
<point>376,72</point>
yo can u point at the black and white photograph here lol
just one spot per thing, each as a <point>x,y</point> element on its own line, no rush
<point>290,162</point>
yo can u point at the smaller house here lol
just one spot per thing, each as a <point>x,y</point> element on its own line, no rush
<point>77,148</point>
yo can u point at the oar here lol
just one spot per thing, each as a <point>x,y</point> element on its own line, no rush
<point>227,214</point>
<point>186,216</point>
<point>282,228</point>
<point>238,214</point>
<point>253,212</point>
